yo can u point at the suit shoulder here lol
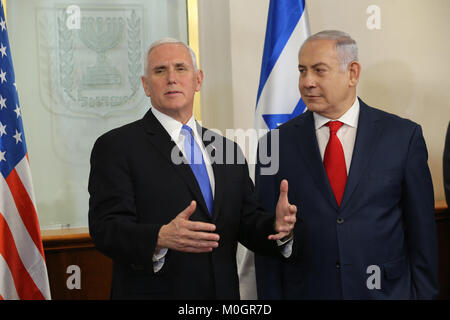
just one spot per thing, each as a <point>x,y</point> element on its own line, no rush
<point>295,121</point>
<point>392,119</point>
<point>120,134</point>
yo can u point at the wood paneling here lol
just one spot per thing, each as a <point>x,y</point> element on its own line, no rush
<point>74,247</point>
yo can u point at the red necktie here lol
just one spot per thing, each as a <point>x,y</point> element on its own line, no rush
<point>334,162</point>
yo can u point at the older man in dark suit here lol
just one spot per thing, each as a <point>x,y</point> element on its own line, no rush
<point>170,226</point>
<point>360,179</point>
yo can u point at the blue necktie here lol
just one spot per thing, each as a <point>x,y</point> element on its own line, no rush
<point>197,163</point>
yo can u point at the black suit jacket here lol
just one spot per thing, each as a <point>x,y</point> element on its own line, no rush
<point>135,188</point>
<point>384,229</point>
<point>446,165</point>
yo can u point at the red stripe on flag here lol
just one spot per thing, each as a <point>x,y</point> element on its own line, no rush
<point>25,286</point>
<point>26,208</point>
<point>1,298</point>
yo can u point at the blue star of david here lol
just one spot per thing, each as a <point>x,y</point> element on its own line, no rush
<point>274,120</point>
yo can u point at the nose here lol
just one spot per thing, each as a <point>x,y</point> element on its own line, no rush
<point>307,81</point>
<point>171,76</point>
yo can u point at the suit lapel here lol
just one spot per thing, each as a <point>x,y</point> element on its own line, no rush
<point>309,149</point>
<point>161,141</point>
<point>366,138</point>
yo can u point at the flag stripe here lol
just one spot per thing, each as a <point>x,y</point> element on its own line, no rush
<point>25,208</point>
<point>282,19</point>
<point>23,282</point>
<point>28,252</point>
<point>24,173</point>
<point>7,288</point>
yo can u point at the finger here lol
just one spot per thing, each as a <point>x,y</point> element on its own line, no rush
<point>286,228</point>
<point>278,236</point>
<point>200,226</point>
<point>292,209</point>
<point>290,219</point>
<point>196,250</point>
<point>202,245</point>
<point>283,190</point>
<point>196,235</point>
<point>186,213</point>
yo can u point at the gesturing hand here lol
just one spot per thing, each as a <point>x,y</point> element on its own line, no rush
<point>188,236</point>
<point>285,214</point>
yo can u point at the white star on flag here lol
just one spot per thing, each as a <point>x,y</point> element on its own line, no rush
<point>18,136</point>
<point>2,50</point>
<point>2,102</point>
<point>17,111</point>
<point>2,129</point>
<point>3,76</point>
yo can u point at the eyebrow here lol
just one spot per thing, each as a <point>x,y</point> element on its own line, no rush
<point>164,66</point>
<point>319,64</point>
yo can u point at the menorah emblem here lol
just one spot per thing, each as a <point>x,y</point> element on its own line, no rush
<point>100,35</point>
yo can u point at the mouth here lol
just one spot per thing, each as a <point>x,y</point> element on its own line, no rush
<point>310,96</point>
<point>172,93</point>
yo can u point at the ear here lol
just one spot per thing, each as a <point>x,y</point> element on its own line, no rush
<point>145,86</point>
<point>354,70</point>
<point>199,79</point>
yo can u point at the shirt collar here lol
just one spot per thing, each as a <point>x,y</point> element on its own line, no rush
<point>350,117</point>
<point>172,126</point>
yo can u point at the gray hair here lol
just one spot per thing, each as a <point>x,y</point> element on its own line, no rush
<point>346,48</point>
<point>165,41</point>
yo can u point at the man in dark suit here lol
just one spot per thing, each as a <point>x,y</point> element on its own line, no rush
<point>360,180</point>
<point>446,165</point>
<point>167,214</point>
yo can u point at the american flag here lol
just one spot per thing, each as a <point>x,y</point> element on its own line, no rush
<point>23,273</point>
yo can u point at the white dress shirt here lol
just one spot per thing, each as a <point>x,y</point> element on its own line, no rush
<point>346,134</point>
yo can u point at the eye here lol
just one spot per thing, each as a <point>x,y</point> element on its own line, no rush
<point>180,68</point>
<point>320,70</point>
<point>158,70</point>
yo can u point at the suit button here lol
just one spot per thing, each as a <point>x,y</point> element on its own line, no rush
<point>338,265</point>
<point>340,221</point>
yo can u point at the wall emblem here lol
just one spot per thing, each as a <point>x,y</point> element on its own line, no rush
<point>91,67</point>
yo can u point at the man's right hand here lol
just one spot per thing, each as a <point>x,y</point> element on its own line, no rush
<point>188,236</point>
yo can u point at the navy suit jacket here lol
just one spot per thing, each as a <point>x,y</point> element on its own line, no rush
<point>381,242</point>
<point>446,166</point>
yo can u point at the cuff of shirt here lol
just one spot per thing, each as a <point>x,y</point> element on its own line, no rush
<point>158,259</point>
<point>285,246</point>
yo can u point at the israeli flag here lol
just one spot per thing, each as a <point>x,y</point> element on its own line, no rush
<point>278,98</point>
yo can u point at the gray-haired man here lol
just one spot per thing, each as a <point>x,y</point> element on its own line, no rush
<point>360,179</point>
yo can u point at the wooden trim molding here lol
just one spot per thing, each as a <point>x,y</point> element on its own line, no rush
<point>70,238</point>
